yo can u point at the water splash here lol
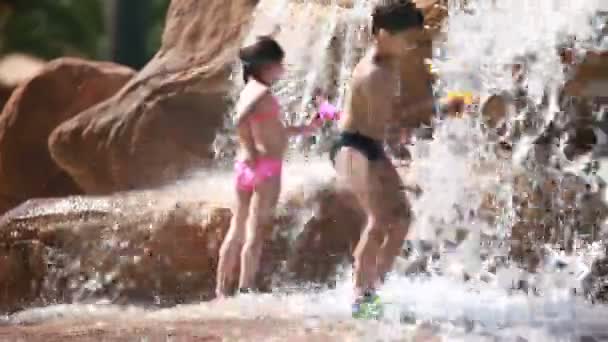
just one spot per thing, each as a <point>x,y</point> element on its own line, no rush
<point>460,166</point>
<point>455,171</point>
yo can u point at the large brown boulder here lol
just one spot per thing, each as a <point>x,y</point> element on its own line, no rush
<point>163,123</point>
<point>62,89</point>
<point>152,247</point>
<point>552,207</point>
<point>102,247</point>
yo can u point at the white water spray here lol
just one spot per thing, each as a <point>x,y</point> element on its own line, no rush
<point>454,171</point>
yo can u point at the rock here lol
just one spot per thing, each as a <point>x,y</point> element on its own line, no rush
<point>591,76</point>
<point>550,208</point>
<point>351,33</point>
<point>14,70</point>
<point>494,110</point>
<point>597,290</point>
<point>158,247</point>
<point>22,270</point>
<point>129,325</point>
<point>62,89</point>
<point>5,93</point>
<point>162,124</point>
<point>122,247</point>
<point>328,237</point>
<point>434,14</point>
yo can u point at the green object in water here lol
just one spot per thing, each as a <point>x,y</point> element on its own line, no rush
<point>369,307</point>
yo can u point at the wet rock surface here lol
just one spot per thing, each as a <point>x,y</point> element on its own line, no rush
<point>144,248</point>
<point>59,91</point>
<point>162,124</point>
<point>204,330</point>
<point>160,248</point>
<point>155,249</point>
<point>598,281</point>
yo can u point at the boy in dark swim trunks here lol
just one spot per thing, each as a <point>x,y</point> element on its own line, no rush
<point>363,170</point>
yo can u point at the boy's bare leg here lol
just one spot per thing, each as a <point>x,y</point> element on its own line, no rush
<point>355,174</point>
<point>391,248</point>
<point>391,196</point>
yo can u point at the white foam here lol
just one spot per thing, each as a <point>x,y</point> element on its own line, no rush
<point>479,47</point>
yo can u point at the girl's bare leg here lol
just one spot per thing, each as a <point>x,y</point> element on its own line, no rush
<point>233,242</point>
<point>261,214</point>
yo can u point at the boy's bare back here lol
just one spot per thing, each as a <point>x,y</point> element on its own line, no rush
<point>369,103</point>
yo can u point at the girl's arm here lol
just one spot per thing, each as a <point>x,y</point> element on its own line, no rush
<point>247,141</point>
<point>243,115</point>
<point>314,124</point>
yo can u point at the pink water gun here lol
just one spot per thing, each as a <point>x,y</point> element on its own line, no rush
<point>327,111</point>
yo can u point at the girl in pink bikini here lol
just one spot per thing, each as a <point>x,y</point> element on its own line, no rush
<point>262,144</point>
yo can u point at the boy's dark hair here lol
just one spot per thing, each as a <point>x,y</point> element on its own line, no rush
<point>395,16</point>
<point>264,51</point>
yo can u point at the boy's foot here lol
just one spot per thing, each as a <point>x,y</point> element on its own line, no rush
<point>367,307</point>
<point>244,290</point>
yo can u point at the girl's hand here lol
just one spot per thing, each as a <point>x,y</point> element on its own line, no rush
<point>249,159</point>
<point>315,123</point>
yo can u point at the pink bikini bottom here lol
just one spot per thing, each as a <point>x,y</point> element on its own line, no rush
<point>248,177</point>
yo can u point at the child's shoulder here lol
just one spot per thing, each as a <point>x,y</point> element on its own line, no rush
<point>253,95</point>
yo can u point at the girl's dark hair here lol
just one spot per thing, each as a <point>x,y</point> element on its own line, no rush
<point>395,16</point>
<point>264,51</point>
<point>318,92</point>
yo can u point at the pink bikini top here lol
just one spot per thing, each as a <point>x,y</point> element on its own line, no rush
<point>276,111</point>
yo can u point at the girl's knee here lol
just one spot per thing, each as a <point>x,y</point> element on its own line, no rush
<point>236,233</point>
<point>240,215</point>
<point>259,222</point>
<point>252,248</point>
<point>255,237</point>
<point>231,243</point>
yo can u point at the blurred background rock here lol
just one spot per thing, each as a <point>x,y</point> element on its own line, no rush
<point>34,31</point>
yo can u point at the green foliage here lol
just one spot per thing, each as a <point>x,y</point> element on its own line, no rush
<point>54,28</point>
<point>158,14</point>
<point>51,28</point>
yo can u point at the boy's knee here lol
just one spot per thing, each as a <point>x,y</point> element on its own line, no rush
<point>376,227</point>
<point>400,212</point>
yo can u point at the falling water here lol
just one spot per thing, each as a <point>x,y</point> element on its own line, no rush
<point>455,171</point>
<point>354,29</point>
<point>460,165</point>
